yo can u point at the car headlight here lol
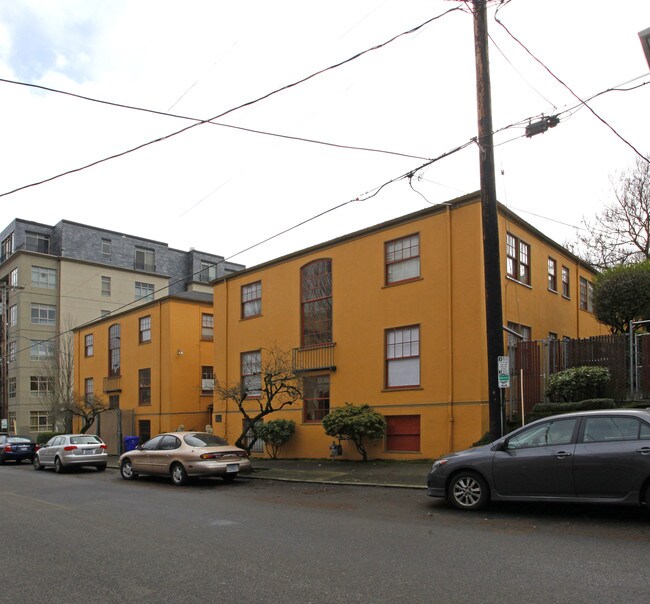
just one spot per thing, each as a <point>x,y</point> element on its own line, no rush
<point>438,463</point>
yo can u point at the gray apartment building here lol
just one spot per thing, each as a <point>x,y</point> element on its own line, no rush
<point>55,278</point>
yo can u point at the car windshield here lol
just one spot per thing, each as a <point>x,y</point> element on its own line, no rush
<point>201,439</point>
<point>19,439</point>
<point>84,440</point>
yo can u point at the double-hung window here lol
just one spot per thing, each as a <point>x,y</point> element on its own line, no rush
<point>207,326</point>
<point>145,329</point>
<point>106,286</point>
<point>89,345</point>
<point>251,300</point>
<point>403,259</point>
<point>89,390</point>
<point>403,357</point>
<point>517,259</point>
<point>251,373</point>
<point>566,283</point>
<point>316,397</point>
<point>586,295</point>
<point>144,387</point>
<point>552,274</point>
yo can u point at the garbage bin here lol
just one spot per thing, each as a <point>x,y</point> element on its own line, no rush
<point>131,442</point>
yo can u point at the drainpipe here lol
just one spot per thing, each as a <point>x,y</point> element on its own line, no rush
<point>450,328</point>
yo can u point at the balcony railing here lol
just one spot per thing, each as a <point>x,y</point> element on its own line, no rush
<point>314,358</point>
<point>112,383</point>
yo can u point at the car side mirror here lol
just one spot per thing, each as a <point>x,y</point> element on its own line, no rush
<point>502,445</point>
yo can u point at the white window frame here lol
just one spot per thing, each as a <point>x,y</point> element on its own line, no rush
<point>402,355</point>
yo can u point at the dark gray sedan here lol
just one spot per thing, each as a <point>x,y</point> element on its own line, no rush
<point>593,457</point>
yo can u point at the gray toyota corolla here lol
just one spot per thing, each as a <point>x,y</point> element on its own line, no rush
<point>591,456</point>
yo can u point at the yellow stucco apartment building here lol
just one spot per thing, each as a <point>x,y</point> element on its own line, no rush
<point>394,316</point>
<point>152,364</point>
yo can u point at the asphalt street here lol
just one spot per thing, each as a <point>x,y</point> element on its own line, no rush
<point>92,537</point>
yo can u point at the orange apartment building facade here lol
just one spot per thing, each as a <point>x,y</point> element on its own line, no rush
<point>153,365</point>
<point>394,316</point>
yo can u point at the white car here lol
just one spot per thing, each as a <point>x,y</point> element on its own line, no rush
<point>72,451</point>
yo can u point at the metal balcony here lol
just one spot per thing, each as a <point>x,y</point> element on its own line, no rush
<point>314,358</point>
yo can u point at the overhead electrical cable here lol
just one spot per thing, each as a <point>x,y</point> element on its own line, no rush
<point>601,119</point>
<point>369,194</point>
<point>213,123</point>
<point>241,106</point>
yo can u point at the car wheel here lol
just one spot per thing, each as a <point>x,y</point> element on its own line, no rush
<point>179,475</point>
<point>468,491</point>
<point>101,467</point>
<point>58,466</point>
<point>37,464</point>
<point>229,477</point>
<point>126,470</point>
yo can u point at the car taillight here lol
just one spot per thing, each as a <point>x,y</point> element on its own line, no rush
<point>242,453</point>
<point>103,447</point>
<point>69,447</point>
<point>8,448</point>
<point>211,455</point>
<point>36,447</point>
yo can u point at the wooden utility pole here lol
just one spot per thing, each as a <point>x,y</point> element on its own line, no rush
<point>491,258</point>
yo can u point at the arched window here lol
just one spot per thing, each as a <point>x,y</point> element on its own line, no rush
<point>114,350</point>
<point>316,301</point>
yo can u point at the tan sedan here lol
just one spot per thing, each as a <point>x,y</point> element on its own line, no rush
<point>182,455</point>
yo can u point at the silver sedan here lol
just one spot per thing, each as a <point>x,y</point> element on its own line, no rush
<point>72,450</point>
<point>184,454</point>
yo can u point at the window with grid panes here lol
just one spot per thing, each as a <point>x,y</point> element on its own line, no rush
<point>251,373</point>
<point>552,274</point>
<point>144,386</point>
<point>44,278</point>
<point>316,296</point>
<point>403,357</point>
<point>517,259</point>
<point>89,345</point>
<point>566,286</point>
<point>145,329</point>
<point>251,300</point>
<point>316,397</point>
<point>207,326</point>
<point>403,259</point>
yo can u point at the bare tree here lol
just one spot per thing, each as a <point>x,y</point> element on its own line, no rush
<point>60,400</point>
<point>59,372</point>
<point>278,386</point>
<point>620,233</point>
<point>87,407</point>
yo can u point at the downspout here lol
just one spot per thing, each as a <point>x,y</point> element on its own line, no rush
<point>450,342</point>
<point>160,349</point>
<point>225,353</point>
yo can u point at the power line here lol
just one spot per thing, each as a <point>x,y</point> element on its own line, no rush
<point>199,121</point>
<point>569,89</point>
<point>369,194</point>
<point>241,106</point>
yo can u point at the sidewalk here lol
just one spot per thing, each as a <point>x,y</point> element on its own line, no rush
<point>401,474</point>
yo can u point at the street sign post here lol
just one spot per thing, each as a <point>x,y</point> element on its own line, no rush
<point>504,372</point>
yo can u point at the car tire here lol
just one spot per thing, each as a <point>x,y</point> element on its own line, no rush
<point>229,477</point>
<point>179,475</point>
<point>58,466</point>
<point>37,464</point>
<point>468,491</point>
<point>101,467</point>
<point>126,470</point>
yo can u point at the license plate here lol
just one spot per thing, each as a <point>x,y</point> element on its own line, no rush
<point>232,467</point>
<point>89,451</point>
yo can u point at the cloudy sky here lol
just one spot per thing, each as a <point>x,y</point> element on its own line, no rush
<point>224,190</point>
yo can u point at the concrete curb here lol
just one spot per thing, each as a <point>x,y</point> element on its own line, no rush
<point>336,482</point>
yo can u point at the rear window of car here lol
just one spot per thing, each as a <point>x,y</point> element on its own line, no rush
<point>19,439</point>
<point>84,440</point>
<point>205,440</point>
